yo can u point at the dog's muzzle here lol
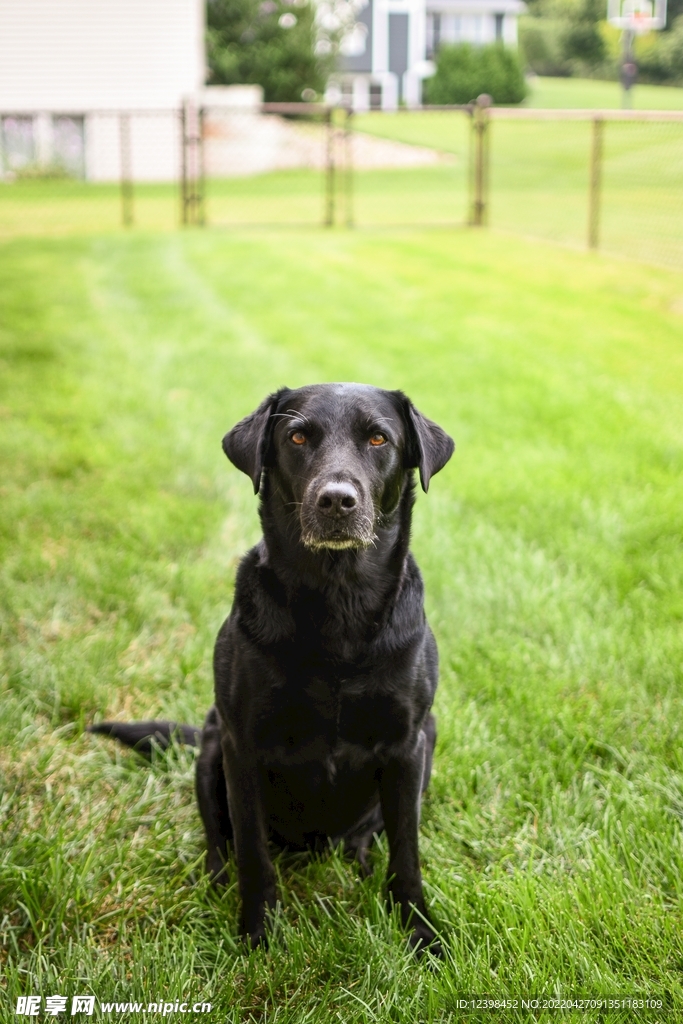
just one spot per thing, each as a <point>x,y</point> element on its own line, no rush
<point>336,515</point>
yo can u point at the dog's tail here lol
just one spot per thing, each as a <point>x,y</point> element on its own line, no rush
<point>143,736</point>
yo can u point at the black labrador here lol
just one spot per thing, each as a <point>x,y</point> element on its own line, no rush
<point>326,668</point>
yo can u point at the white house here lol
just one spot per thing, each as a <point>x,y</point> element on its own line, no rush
<point>386,56</point>
<point>67,67</point>
<point>383,58</point>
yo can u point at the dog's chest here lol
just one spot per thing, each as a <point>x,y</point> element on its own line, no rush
<point>325,720</point>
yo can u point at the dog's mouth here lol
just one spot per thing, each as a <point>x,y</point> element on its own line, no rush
<point>336,540</point>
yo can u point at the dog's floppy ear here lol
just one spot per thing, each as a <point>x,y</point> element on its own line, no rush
<point>247,443</point>
<point>428,447</point>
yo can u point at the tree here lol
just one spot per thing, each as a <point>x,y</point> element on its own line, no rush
<point>271,43</point>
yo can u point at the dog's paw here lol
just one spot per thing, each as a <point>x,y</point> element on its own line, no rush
<point>365,868</point>
<point>256,919</point>
<point>424,942</point>
<point>256,939</point>
<point>218,874</point>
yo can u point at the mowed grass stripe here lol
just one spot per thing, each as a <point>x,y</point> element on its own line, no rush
<point>551,550</point>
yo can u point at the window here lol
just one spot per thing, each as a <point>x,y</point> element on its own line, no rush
<point>17,143</point>
<point>68,144</point>
<point>451,28</point>
<point>433,34</point>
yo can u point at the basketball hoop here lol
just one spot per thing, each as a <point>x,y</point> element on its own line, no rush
<point>634,18</point>
<point>637,16</point>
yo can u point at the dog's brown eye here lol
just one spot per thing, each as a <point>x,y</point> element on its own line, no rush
<point>378,439</point>
<point>298,438</point>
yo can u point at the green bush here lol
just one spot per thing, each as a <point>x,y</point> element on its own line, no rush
<point>541,42</point>
<point>54,171</point>
<point>247,42</point>
<point>464,72</point>
<point>561,46</point>
<point>582,41</point>
<point>662,61</point>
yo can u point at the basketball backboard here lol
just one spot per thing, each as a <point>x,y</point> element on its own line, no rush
<point>637,16</point>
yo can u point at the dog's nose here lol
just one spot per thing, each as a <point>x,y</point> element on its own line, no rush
<point>337,499</point>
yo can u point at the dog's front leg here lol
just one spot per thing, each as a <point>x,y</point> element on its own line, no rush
<point>255,871</point>
<point>400,792</point>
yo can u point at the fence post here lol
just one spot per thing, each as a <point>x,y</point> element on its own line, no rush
<point>201,189</point>
<point>329,169</point>
<point>192,165</point>
<point>126,171</point>
<point>348,154</point>
<point>479,160</point>
<point>183,165</point>
<point>595,184</point>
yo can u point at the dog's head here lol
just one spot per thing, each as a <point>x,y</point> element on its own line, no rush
<point>337,455</point>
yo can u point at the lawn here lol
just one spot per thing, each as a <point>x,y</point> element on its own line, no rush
<point>551,548</point>
<point>587,92</point>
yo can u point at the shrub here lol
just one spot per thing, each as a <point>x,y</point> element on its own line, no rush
<point>562,46</point>
<point>54,171</point>
<point>582,41</point>
<point>541,41</point>
<point>662,59</point>
<point>464,72</point>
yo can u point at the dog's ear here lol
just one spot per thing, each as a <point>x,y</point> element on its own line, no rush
<point>428,447</point>
<point>246,445</point>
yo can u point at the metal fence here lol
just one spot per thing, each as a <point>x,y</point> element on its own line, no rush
<point>604,179</point>
<point>282,164</point>
<point>92,170</point>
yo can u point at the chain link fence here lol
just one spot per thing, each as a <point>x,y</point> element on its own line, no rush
<point>89,171</point>
<point>611,180</point>
<point>276,164</point>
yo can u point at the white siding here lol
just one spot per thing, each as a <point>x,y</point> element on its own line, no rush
<point>154,147</point>
<point>81,55</point>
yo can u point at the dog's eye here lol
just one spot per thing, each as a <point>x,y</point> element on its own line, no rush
<point>298,437</point>
<point>377,439</point>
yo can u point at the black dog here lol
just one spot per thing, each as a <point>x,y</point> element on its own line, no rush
<point>325,670</point>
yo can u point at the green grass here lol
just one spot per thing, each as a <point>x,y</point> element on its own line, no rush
<point>41,208</point>
<point>587,92</point>
<point>551,548</point>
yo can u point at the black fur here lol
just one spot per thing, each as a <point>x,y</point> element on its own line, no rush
<point>145,735</point>
<point>325,670</point>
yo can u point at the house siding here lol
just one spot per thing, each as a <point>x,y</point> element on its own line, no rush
<point>73,56</point>
<point>68,66</point>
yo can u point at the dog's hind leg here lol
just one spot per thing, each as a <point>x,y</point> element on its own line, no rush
<point>212,797</point>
